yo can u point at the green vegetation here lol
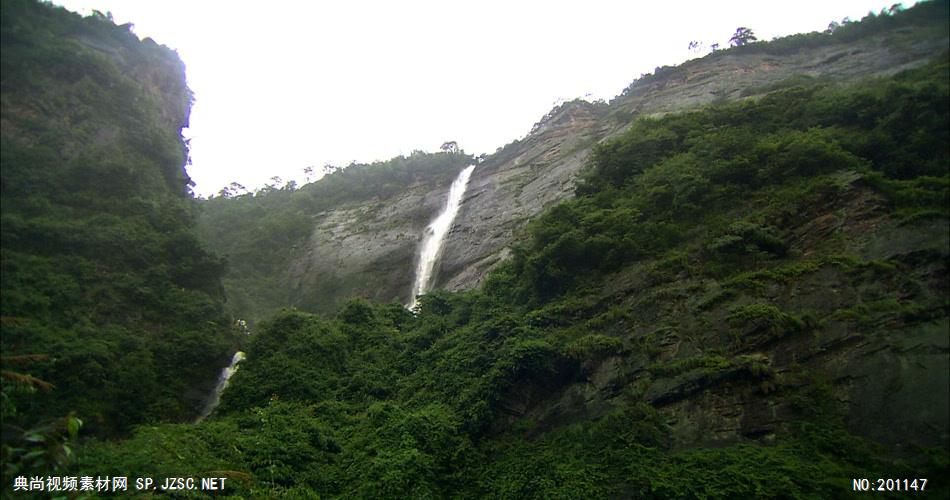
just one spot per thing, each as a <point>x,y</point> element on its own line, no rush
<point>885,23</point>
<point>469,396</point>
<point>676,179</point>
<point>698,321</point>
<point>896,26</point>
<point>111,310</point>
<point>742,36</point>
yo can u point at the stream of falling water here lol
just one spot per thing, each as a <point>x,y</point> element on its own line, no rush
<point>222,384</point>
<point>435,235</point>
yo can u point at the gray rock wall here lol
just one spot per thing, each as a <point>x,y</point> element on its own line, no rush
<point>367,250</point>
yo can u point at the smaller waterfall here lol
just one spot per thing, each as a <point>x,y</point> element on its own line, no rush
<point>222,384</point>
<point>435,235</point>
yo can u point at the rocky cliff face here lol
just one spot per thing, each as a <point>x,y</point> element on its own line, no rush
<point>145,81</point>
<point>101,266</point>
<point>366,250</point>
<point>890,373</point>
<point>848,308</point>
<point>161,74</point>
<point>520,180</point>
<point>368,247</point>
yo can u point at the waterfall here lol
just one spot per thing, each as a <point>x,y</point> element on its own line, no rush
<point>435,235</point>
<point>222,384</point>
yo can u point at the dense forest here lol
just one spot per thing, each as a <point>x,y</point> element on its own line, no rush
<point>767,315</point>
<point>380,402</point>
<point>112,311</point>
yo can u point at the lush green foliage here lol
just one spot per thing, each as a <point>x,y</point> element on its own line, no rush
<point>887,22</point>
<point>698,222</point>
<point>111,310</point>
<point>378,402</point>
<point>671,180</point>
<point>673,331</point>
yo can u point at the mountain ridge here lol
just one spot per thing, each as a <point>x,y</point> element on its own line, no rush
<point>742,299</point>
<point>740,73</point>
<point>519,180</point>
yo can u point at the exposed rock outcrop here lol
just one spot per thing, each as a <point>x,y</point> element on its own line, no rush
<point>365,250</point>
<point>368,246</point>
<point>524,177</point>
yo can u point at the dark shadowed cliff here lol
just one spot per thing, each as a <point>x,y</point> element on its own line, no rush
<point>110,307</point>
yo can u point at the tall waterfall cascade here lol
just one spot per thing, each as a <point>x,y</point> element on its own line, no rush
<point>434,236</point>
<point>223,379</point>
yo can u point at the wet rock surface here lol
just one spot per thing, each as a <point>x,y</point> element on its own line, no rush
<point>366,250</point>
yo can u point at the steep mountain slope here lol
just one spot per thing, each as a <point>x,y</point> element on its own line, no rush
<point>730,282</point>
<point>516,183</point>
<point>745,300</point>
<point>372,241</point>
<point>765,315</point>
<point>110,306</point>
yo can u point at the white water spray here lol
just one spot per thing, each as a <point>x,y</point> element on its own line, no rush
<point>435,235</point>
<point>222,384</point>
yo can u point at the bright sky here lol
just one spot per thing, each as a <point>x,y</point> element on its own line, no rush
<point>282,85</point>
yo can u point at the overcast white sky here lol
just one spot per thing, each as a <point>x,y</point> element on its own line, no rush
<point>282,85</point>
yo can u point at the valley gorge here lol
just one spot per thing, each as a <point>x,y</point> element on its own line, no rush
<point>730,281</point>
<point>376,242</point>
